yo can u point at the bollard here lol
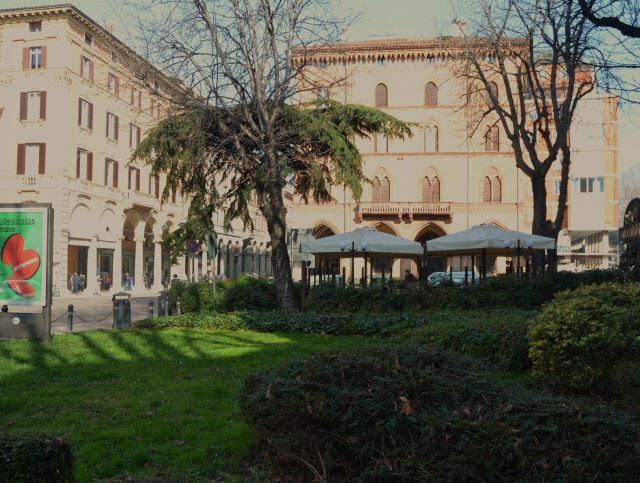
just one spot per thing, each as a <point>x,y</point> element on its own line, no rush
<point>70,318</point>
<point>178,306</point>
<point>150,309</point>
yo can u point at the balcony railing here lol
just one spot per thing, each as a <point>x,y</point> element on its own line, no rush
<point>629,233</point>
<point>400,209</point>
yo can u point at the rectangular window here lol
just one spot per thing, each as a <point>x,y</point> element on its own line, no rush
<point>86,68</point>
<point>134,178</point>
<point>88,39</point>
<point>591,183</point>
<point>35,58</point>
<point>134,136</point>
<point>133,96</point>
<point>601,184</point>
<point>85,114</point>
<point>110,173</point>
<point>112,126</point>
<point>112,84</point>
<point>35,26</point>
<point>32,159</point>
<point>583,185</point>
<point>84,164</point>
<point>33,106</point>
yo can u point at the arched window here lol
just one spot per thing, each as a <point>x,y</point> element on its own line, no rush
<point>375,190</point>
<point>431,139</point>
<point>435,189</point>
<point>431,95</point>
<point>382,99</point>
<point>426,190</point>
<point>492,139</point>
<point>486,190</point>
<point>496,190</point>
<point>385,190</point>
<point>492,92</point>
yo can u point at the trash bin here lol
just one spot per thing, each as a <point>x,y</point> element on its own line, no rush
<point>121,310</point>
<point>163,304</point>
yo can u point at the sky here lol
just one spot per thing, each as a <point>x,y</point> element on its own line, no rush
<point>375,19</point>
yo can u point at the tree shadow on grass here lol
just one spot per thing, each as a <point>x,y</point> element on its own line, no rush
<point>140,402</point>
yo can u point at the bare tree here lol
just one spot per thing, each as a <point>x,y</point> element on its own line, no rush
<point>235,136</point>
<point>621,15</point>
<point>526,66</point>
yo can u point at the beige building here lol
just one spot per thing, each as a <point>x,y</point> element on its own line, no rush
<point>443,180</point>
<point>71,113</point>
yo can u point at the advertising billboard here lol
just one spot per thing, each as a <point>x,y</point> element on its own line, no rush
<point>24,253</point>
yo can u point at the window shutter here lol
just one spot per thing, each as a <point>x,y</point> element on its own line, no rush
<point>139,100</point>
<point>106,171</point>
<point>78,152</point>
<point>42,158</point>
<point>44,56</point>
<point>91,70</point>
<point>375,190</point>
<point>129,171</point>
<point>157,189</point>
<point>115,174</point>
<point>23,105</point>
<point>426,189</point>
<point>382,97</point>
<point>116,127</point>
<point>385,190</point>
<point>89,166</point>
<point>106,125</point>
<point>79,112</point>
<point>25,58</point>
<point>137,136</point>
<point>43,105</point>
<point>435,190</point>
<point>496,139</point>
<point>21,155</point>
<point>137,179</point>
<point>90,116</point>
<point>487,141</point>
<point>486,190</point>
<point>431,95</point>
<point>496,190</point>
<point>117,86</point>
<point>436,139</point>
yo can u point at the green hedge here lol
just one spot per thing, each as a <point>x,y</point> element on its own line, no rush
<point>500,337</point>
<point>494,293</point>
<point>382,325</point>
<point>26,458</point>
<point>242,293</point>
<point>589,339</point>
<point>406,413</point>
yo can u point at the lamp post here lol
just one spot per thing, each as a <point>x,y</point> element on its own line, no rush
<point>364,247</point>
<point>507,245</point>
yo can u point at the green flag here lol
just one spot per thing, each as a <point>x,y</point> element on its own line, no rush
<point>212,245</point>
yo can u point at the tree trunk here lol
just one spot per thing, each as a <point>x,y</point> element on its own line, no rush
<point>539,190</point>
<point>275,215</point>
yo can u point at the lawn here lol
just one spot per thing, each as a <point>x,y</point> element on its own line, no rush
<point>143,402</point>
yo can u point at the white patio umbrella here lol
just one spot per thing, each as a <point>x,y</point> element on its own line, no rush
<point>369,240</point>
<point>488,238</point>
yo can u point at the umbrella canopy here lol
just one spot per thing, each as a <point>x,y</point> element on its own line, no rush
<point>494,240</point>
<point>372,241</point>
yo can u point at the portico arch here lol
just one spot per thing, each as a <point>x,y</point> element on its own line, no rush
<point>429,232</point>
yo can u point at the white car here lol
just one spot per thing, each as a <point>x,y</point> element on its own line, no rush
<point>439,278</point>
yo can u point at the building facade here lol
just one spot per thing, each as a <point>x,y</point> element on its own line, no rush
<point>446,179</point>
<point>72,111</point>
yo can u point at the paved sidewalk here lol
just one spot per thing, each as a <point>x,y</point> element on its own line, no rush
<point>97,312</point>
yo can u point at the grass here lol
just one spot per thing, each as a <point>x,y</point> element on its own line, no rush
<point>143,403</point>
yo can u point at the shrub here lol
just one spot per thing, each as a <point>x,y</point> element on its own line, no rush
<point>406,413</point>
<point>589,339</point>
<point>630,261</point>
<point>500,337</point>
<point>382,325</point>
<point>495,292</point>
<point>247,293</point>
<point>27,458</point>
<point>243,293</point>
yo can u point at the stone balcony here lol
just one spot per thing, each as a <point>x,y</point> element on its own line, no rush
<point>404,209</point>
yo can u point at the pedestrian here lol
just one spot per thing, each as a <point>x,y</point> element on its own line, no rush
<point>76,282</point>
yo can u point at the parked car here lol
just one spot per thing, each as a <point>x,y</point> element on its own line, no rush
<point>440,278</point>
